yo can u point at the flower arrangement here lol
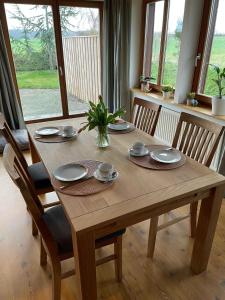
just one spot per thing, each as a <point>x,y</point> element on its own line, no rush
<point>98,116</point>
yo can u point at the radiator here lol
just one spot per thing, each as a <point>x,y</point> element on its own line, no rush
<point>166,128</point>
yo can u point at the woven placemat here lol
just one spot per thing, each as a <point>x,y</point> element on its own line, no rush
<point>83,187</point>
<point>54,138</point>
<point>149,163</point>
<point>130,129</point>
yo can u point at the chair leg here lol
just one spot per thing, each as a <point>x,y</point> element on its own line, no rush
<point>152,236</point>
<point>34,229</point>
<point>56,280</point>
<point>193,217</point>
<point>43,255</point>
<point>118,260</point>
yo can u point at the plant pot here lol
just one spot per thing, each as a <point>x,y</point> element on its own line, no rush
<point>166,95</point>
<point>102,138</point>
<point>189,102</point>
<point>218,106</point>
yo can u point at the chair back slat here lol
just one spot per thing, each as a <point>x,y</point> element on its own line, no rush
<point>197,138</point>
<point>145,115</point>
<point>7,133</point>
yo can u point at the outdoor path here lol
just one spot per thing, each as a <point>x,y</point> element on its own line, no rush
<point>42,103</point>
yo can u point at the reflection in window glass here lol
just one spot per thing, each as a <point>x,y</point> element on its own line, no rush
<point>153,32</point>
<point>175,25</point>
<point>217,55</point>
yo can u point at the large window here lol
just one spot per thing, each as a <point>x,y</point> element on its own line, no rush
<point>54,52</point>
<point>162,38</point>
<point>211,49</point>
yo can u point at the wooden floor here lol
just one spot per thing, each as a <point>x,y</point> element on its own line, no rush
<point>167,277</point>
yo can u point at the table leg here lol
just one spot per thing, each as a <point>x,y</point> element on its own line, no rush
<point>207,221</point>
<point>84,254</point>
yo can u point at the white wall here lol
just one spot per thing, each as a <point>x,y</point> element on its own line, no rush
<point>136,14</point>
<point>189,45</point>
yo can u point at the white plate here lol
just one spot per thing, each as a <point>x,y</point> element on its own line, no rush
<point>119,126</point>
<point>47,131</point>
<point>166,156</point>
<point>100,178</point>
<point>145,152</point>
<point>70,172</point>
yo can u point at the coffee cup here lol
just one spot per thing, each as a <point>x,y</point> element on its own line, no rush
<point>105,170</point>
<point>138,147</point>
<point>68,130</point>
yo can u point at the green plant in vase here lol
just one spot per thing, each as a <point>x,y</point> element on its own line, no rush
<point>98,116</point>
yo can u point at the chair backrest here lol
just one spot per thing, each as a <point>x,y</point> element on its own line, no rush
<point>7,133</point>
<point>197,138</point>
<point>145,115</point>
<point>16,173</point>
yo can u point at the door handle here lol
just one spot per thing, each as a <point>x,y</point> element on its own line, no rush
<point>60,71</point>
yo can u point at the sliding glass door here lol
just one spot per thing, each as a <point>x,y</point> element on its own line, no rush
<point>56,56</point>
<point>33,47</point>
<point>81,51</point>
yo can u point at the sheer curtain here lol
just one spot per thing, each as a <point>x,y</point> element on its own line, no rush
<point>8,102</point>
<point>116,53</point>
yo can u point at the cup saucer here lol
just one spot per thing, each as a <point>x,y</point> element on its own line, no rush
<point>143,153</point>
<point>69,136</point>
<point>113,177</point>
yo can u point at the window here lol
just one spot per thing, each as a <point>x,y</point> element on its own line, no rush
<point>211,49</point>
<point>54,51</point>
<point>162,38</point>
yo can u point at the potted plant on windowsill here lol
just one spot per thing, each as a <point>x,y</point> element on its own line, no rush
<point>218,102</point>
<point>167,91</point>
<point>99,117</point>
<point>190,98</point>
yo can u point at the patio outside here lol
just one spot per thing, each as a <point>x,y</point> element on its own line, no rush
<point>32,40</point>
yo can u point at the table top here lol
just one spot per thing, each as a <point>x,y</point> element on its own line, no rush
<point>136,189</point>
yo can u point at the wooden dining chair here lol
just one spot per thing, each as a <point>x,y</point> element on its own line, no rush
<point>36,173</point>
<point>197,138</point>
<point>145,115</point>
<point>54,228</point>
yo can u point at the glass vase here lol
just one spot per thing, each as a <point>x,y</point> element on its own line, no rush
<point>102,137</point>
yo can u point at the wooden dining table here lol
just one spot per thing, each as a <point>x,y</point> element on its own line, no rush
<point>137,195</point>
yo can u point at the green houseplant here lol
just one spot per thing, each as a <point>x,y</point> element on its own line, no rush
<point>167,91</point>
<point>98,117</point>
<point>218,101</point>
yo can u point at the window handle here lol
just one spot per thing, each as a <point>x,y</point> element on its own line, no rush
<point>197,58</point>
<point>61,71</point>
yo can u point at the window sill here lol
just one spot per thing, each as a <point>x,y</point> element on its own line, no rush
<point>201,110</point>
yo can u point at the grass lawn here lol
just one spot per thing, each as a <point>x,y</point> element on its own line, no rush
<point>45,79</point>
<point>49,79</point>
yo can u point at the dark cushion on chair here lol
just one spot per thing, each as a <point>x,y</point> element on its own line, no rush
<point>60,229</point>
<point>21,137</point>
<point>39,175</point>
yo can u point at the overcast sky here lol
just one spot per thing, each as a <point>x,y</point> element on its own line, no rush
<point>79,23</point>
<point>176,12</point>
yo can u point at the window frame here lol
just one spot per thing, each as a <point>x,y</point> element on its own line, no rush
<point>59,48</point>
<point>155,86</point>
<point>204,31</point>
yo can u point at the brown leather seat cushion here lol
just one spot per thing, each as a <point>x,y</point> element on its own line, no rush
<point>21,138</point>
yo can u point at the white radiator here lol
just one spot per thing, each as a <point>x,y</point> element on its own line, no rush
<point>166,128</point>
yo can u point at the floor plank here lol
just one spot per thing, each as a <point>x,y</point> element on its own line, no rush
<point>167,277</point>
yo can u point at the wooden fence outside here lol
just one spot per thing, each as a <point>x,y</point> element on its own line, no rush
<point>83,67</point>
